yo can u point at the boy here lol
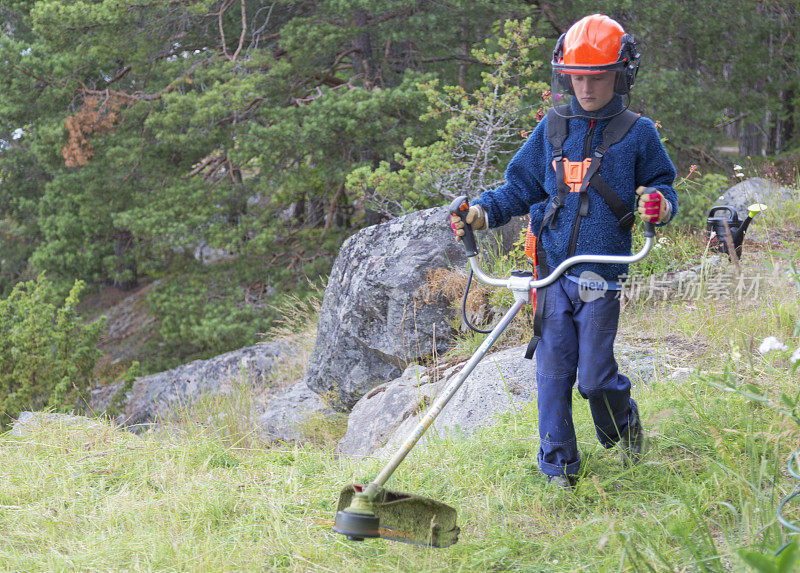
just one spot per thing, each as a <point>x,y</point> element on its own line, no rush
<point>578,175</point>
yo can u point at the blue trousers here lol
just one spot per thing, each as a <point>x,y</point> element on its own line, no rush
<point>578,331</point>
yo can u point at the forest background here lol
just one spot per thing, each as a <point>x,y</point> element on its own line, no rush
<point>223,150</point>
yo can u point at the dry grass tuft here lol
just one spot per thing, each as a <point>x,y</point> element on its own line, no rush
<point>450,284</point>
<point>297,328</point>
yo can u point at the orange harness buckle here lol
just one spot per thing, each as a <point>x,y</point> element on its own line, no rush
<point>574,172</point>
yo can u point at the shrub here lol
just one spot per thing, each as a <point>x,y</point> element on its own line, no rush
<point>695,198</point>
<point>47,354</point>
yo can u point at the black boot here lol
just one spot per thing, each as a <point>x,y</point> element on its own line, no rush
<point>567,482</point>
<point>632,442</point>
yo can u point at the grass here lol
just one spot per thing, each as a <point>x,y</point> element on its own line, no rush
<point>98,499</point>
<point>213,497</point>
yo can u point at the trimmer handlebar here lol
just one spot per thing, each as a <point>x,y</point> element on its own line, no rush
<point>460,208</point>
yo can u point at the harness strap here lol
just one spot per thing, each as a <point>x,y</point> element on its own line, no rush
<point>557,129</point>
<point>615,131</point>
<point>624,216</point>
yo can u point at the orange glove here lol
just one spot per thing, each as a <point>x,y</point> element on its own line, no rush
<point>476,218</point>
<point>653,208</point>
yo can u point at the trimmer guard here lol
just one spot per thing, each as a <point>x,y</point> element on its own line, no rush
<point>409,518</point>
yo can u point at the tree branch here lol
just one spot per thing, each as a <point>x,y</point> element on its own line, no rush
<point>48,82</point>
<point>139,95</point>
<point>222,9</point>
<point>244,31</point>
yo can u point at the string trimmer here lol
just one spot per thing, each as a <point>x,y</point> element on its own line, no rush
<point>371,511</point>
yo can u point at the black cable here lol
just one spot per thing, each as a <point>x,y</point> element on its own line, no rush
<point>464,307</point>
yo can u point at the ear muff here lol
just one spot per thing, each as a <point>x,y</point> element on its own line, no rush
<point>630,57</point>
<point>564,83</point>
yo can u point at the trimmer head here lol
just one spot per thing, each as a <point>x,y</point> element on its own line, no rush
<point>396,516</point>
<point>357,526</point>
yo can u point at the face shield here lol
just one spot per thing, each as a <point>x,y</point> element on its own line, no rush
<point>588,93</point>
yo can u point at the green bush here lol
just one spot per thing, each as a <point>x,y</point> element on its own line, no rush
<point>695,198</point>
<point>47,354</point>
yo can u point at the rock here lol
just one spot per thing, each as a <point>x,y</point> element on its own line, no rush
<point>503,238</point>
<point>155,395</point>
<point>128,323</point>
<point>383,419</point>
<point>378,414</point>
<point>755,190</point>
<point>209,255</point>
<point>31,422</point>
<point>286,415</point>
<point>639,364</point>
<point>373,321</point>
<point>680,374</point>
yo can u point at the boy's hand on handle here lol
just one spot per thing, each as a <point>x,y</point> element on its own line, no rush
<point>653,208</point>
<point>476,218</point>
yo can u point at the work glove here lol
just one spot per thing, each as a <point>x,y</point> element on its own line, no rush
<point>476,218</point>
<point>653,208</point>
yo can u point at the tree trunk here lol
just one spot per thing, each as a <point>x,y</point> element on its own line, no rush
<point>362,58</point>
<point>126,261</point>
<point>751,140</point>
<point>462,66</point>
<point>787,123</point>
<point>772,122</point>
<point>300,210</point>
<point>315,215</point>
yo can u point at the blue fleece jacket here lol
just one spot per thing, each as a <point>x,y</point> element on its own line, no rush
<point>639,159</point>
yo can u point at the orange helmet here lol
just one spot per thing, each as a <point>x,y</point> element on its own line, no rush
<point>593,45</point>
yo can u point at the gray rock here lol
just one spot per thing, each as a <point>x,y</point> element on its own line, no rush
<point>641,365</point>
<point>154,396</point>
<point>374,321</point>
<point>288,412</point>
<point>755,190</point>
<point>383,419</point>
<point>31,422</point>
<point>503,238</point>
<point>209,255</point>
<point>379,413</point>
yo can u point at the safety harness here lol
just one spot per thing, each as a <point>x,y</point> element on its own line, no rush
<point>574,177</point>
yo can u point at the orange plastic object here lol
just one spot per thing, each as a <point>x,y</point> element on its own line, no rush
<point>530,252</point>
<point>530,246</point>
<point>574,172</point>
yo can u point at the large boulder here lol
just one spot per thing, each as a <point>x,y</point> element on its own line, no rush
<point>152,397</point>
<point>373,321</point>
<point>756,190</point>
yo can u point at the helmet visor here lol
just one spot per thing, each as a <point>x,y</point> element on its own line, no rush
<point>586,91</point>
